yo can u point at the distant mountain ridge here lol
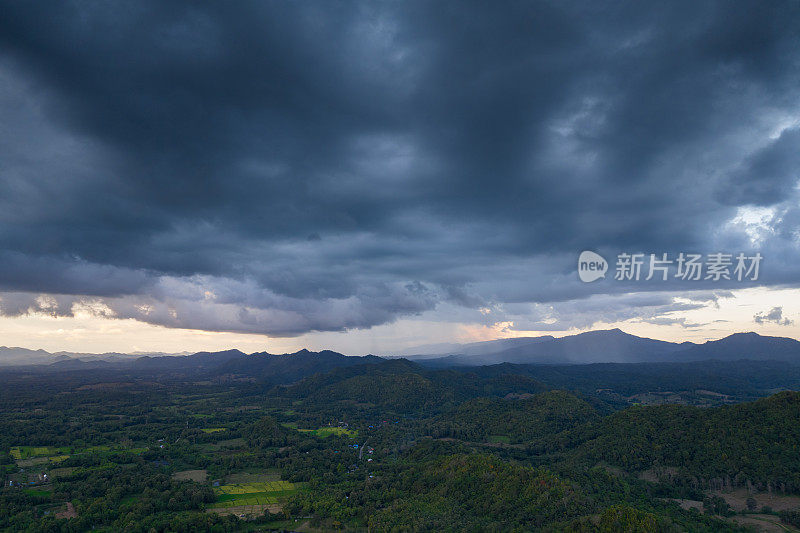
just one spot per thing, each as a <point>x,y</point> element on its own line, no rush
<point>616,346</point>
<point>15,356</point>
<point>745,346</point>
<point>600,346</point>
<point>12,356</point>
<point>227,365</point>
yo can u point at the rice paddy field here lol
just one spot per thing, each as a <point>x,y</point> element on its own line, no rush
<point>254,493</point>
<point>20,453</point>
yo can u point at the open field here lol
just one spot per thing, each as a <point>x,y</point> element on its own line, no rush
<point>28,452</point>
<point>28,456</point>
<point>230,444</point>
<point>35,461</point>
<point>265,476</point>
<point>250,488</point>
<point>737,499</point>
<point>198,476</point>
<point>55,473</point>
<point>247,511</point>
<point>40,492</point>
<point>324,431</point>
<point>764,522</point>
<point>687,504</point>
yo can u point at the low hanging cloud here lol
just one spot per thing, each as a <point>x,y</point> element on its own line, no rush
<point>282,168</point>
<point>661,308</point>
<point>774,315</point>
<point>225,305</point>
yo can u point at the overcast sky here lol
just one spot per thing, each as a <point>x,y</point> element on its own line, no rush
<point>367,176</point>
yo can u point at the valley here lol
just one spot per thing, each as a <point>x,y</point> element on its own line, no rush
<point>386,444</point>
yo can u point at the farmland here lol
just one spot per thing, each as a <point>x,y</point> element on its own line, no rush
<point>256,493</point>
<point>321,432</point>
<point>327,431</point>
<point>204,457</point>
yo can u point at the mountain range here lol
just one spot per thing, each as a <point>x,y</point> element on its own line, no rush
<point>15,356</point>
<point>613,346</point>
<point>602,346</point>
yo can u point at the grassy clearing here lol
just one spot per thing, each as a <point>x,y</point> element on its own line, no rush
<point>96,449</point>
<point>136,451</point>
<point>55,473</point>
<point>222,445</point>
<point>324,431</point>
<point>190,475</point>
<point>249,511</point>
<point>264,476</point>
<point>27,456</point>
<point>36,461</point>
<point>251,488</point>
<point>27,452</point>
<point>33,461</point>
<point>737,499</point>
<point>254,498</point>
<point>504,439</point>
<point>213,430</point>
<point>40,493</point>
<point>41,454</point>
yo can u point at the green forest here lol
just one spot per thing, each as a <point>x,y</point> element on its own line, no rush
<point>391,446</point>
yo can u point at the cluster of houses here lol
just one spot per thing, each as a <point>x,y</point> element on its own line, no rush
<point>26,480</point>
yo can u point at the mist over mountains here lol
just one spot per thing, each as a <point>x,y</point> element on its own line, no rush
<point>15,356</point>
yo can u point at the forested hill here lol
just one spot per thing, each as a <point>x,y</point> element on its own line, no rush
<point>408,388</point>
<point>403,387</point>
<point>534,420</point>
<point>751,444</point>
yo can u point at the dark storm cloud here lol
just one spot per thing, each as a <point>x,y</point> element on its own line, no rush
<point>287,167</point>
<point>768,176</point>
